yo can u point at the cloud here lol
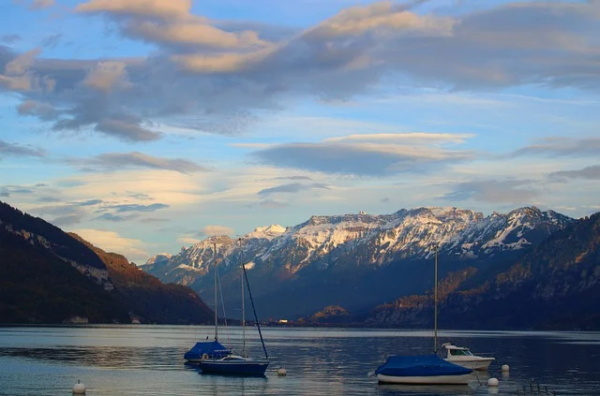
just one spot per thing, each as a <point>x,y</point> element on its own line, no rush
<point>17,75</point>
<point>90,202</point>
<point>35,4</point>
<point>61,215</point>
<point>126,130</point>
<point>212,70</point>
<point>366,155</point>
<point>107,75</point>
<point>494,191</point>
<point>39,4</point>
<point>195,33</point>
<point>115,218</point>
<point>121,161</point>
<point>149,8</point>
<point>63,221</point>
<point>172,188</point>
<point>561,146</point>
<point>292,188</point>
<point>19,151</point>
<point>10,38</point>
<point>221,63</point>
<point>139,208</point>
<point>52,40</point>
<point>111,241</point>
<point>192,39</point>
<point>272,204</point>
<point>381,16</point>
<point>43,111</point>
<point>404,138</point>
<point>211,230</point>
<point>589,173</point>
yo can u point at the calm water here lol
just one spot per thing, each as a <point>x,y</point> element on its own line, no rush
<point>148,360</point>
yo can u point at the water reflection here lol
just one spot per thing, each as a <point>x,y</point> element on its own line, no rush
<point>148,360</point>
<point>154,358</point>
<point>424,390</point>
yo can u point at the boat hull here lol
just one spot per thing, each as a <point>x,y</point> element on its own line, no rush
<point>251,368</point>
<point>473,364</point>
<point>422,369</point>
<point>461,379</point>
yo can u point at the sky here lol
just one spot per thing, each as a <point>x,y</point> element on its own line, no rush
<point>148,125</point>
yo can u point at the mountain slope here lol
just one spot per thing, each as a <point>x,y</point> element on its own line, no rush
<point>41,280</point>
<point>48,276</point>
<point>147,298</point>
<point>357,261</point>
<point>556,285</point>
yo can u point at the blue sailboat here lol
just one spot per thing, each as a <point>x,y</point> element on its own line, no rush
<point>206,350</point>
<point>214,358</point>
<point>423,369</point>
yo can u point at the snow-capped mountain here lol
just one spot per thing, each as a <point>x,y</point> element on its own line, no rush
<point>355,260</point>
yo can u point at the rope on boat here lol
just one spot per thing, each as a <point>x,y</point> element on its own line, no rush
<point>254,310</point>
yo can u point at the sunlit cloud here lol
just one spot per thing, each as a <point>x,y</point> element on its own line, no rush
<point>494,191</point>
<point>112,242</point>
<point>150,8</point>
<point>292,188</point>
<point>382,16</point>
<point>123,161</point>
<point>562,146</point>
<point>590,173</point>
<point>368,155</point>
<point>211,230</point>
<point>18,150</point>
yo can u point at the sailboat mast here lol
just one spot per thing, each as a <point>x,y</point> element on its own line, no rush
<point>435,302</point>
<point>243,302</point>
<point>262,341</point>
<point>216,294</point>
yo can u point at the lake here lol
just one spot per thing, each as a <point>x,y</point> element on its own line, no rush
<point>148,360</point>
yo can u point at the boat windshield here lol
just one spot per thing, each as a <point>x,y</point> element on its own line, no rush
<point>460,352</point>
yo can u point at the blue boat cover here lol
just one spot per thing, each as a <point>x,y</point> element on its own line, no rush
<point>212,349</point>
<point>419,366</point>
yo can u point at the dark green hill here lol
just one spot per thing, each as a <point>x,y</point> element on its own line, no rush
<point>48,276</point>
<point>38,287</point>
<point>148,299</point>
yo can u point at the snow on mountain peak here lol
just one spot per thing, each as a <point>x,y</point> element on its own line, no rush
<point>268,232</point>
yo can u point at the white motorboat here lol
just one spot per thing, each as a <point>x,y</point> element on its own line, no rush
<point>464,357</point>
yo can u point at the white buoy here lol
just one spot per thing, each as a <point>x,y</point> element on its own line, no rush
<point>493,382</point>
<point>79,388</point>
<point>281,372</point>
<point>505,368</point>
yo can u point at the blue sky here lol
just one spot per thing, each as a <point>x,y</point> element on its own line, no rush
<point>147,125</point>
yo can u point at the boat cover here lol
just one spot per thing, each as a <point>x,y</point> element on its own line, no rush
<point>212,349</point>
<point>419,366</point>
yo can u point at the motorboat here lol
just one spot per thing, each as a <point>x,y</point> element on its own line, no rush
<point>422,369</point>
<point>464,357</point>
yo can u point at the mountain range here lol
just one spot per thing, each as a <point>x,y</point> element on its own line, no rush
<point>378,269</point>
<point>49,276</point>
<point>526,269</point>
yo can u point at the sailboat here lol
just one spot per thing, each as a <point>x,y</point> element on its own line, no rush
<point>424,369</point>
<point>209,350</point>
<point>231,363</point>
